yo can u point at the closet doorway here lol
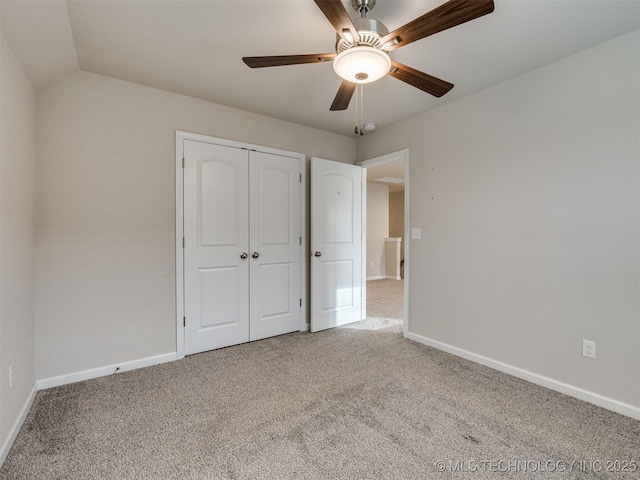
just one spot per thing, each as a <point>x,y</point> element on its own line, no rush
<point>239,235</point>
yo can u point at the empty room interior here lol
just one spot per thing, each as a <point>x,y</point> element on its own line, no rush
<point>189,235</point>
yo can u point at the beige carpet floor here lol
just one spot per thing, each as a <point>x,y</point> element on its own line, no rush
<point>357,402</point>
<point>385,299</point>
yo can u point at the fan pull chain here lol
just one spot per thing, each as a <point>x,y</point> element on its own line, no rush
<point>357,86</point>
<point>359,109</point>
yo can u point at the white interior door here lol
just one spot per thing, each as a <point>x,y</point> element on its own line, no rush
<point>336,244</point>
<point>216,223</point>
<point>275,240</point>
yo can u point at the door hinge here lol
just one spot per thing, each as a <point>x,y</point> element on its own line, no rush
<point>183,242</point>
<point>300,240</point>
<point>184,321</point>
<point>300,178</point>
<point>182,162</point>
<point>300,302</point>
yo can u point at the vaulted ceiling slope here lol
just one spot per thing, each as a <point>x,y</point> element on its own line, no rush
<point>195,48</point>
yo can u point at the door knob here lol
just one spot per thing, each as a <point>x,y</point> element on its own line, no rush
<point>255,255</point>
<point>244,255</point>
<point>317,254</point>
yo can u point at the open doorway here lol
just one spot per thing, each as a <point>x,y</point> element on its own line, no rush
<point>386,252</point>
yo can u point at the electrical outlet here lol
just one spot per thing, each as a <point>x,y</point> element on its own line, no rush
<point>372,265</point>
<point>11,376</point>
<point>588,349</point>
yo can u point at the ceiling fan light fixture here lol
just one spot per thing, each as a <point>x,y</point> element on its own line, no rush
<point>362,64</point>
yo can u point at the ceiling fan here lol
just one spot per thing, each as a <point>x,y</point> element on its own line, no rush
<point>363,45</point>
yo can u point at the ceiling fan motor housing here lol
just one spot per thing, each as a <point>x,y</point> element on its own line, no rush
<point>364,61</point>
<point>370,32</point>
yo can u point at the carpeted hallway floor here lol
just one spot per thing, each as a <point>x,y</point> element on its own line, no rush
<point>385,299</point>
<point>357,402</point>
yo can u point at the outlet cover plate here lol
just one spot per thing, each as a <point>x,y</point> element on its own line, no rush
<point>588,349</point>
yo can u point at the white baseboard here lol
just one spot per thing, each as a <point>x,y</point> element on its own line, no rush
<point>579,393</point>
<point>391,277</point>
<point>104,371</point>
<point>377,277</point>
<point>15,429</point>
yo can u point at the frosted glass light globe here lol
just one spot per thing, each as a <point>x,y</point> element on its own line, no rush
<point>362,64</point>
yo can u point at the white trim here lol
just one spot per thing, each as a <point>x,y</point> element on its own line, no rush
<point>232,143</point>
<point>104,371</point>
<point>17,425</point>
<point>363,241</point>
<point>407,225</point>
<point>181,136</point>
<point>376,277</point>
<point>304,252</point>
<point>387,158</point>
<point>550,383</point>
<point>391,277</point>
<point>392,157</point>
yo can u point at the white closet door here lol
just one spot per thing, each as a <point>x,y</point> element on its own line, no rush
<point>275,245</point>
<point>216,278</point>
<point>336,244</point>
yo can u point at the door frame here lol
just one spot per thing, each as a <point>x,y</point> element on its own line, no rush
<point>181,136</point>
<point>388,158</point>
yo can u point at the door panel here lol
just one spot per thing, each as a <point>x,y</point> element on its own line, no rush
<point>275,236</point>
<point>338,192</point>
<point>338,286</point>
<point>216,279</point>
<point>219,287</point>
<point>218,202</point>
<point>336,235</point>
<point>275,204</point>
<point>275,285</point>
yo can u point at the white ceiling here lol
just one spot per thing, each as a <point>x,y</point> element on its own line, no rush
<point>195,48</point>
<point>395,169</point>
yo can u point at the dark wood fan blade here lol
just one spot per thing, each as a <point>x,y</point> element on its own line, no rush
<point>343,97</point>
<point>338,17</point>
<point>421,80</point>
<point>450,14</point>
<point>280,60</point>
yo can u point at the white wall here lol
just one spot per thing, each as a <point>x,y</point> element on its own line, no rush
<point>527,194</point>
<point>17,200</point>
<point>105,255</point>
<point>377,228</point>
